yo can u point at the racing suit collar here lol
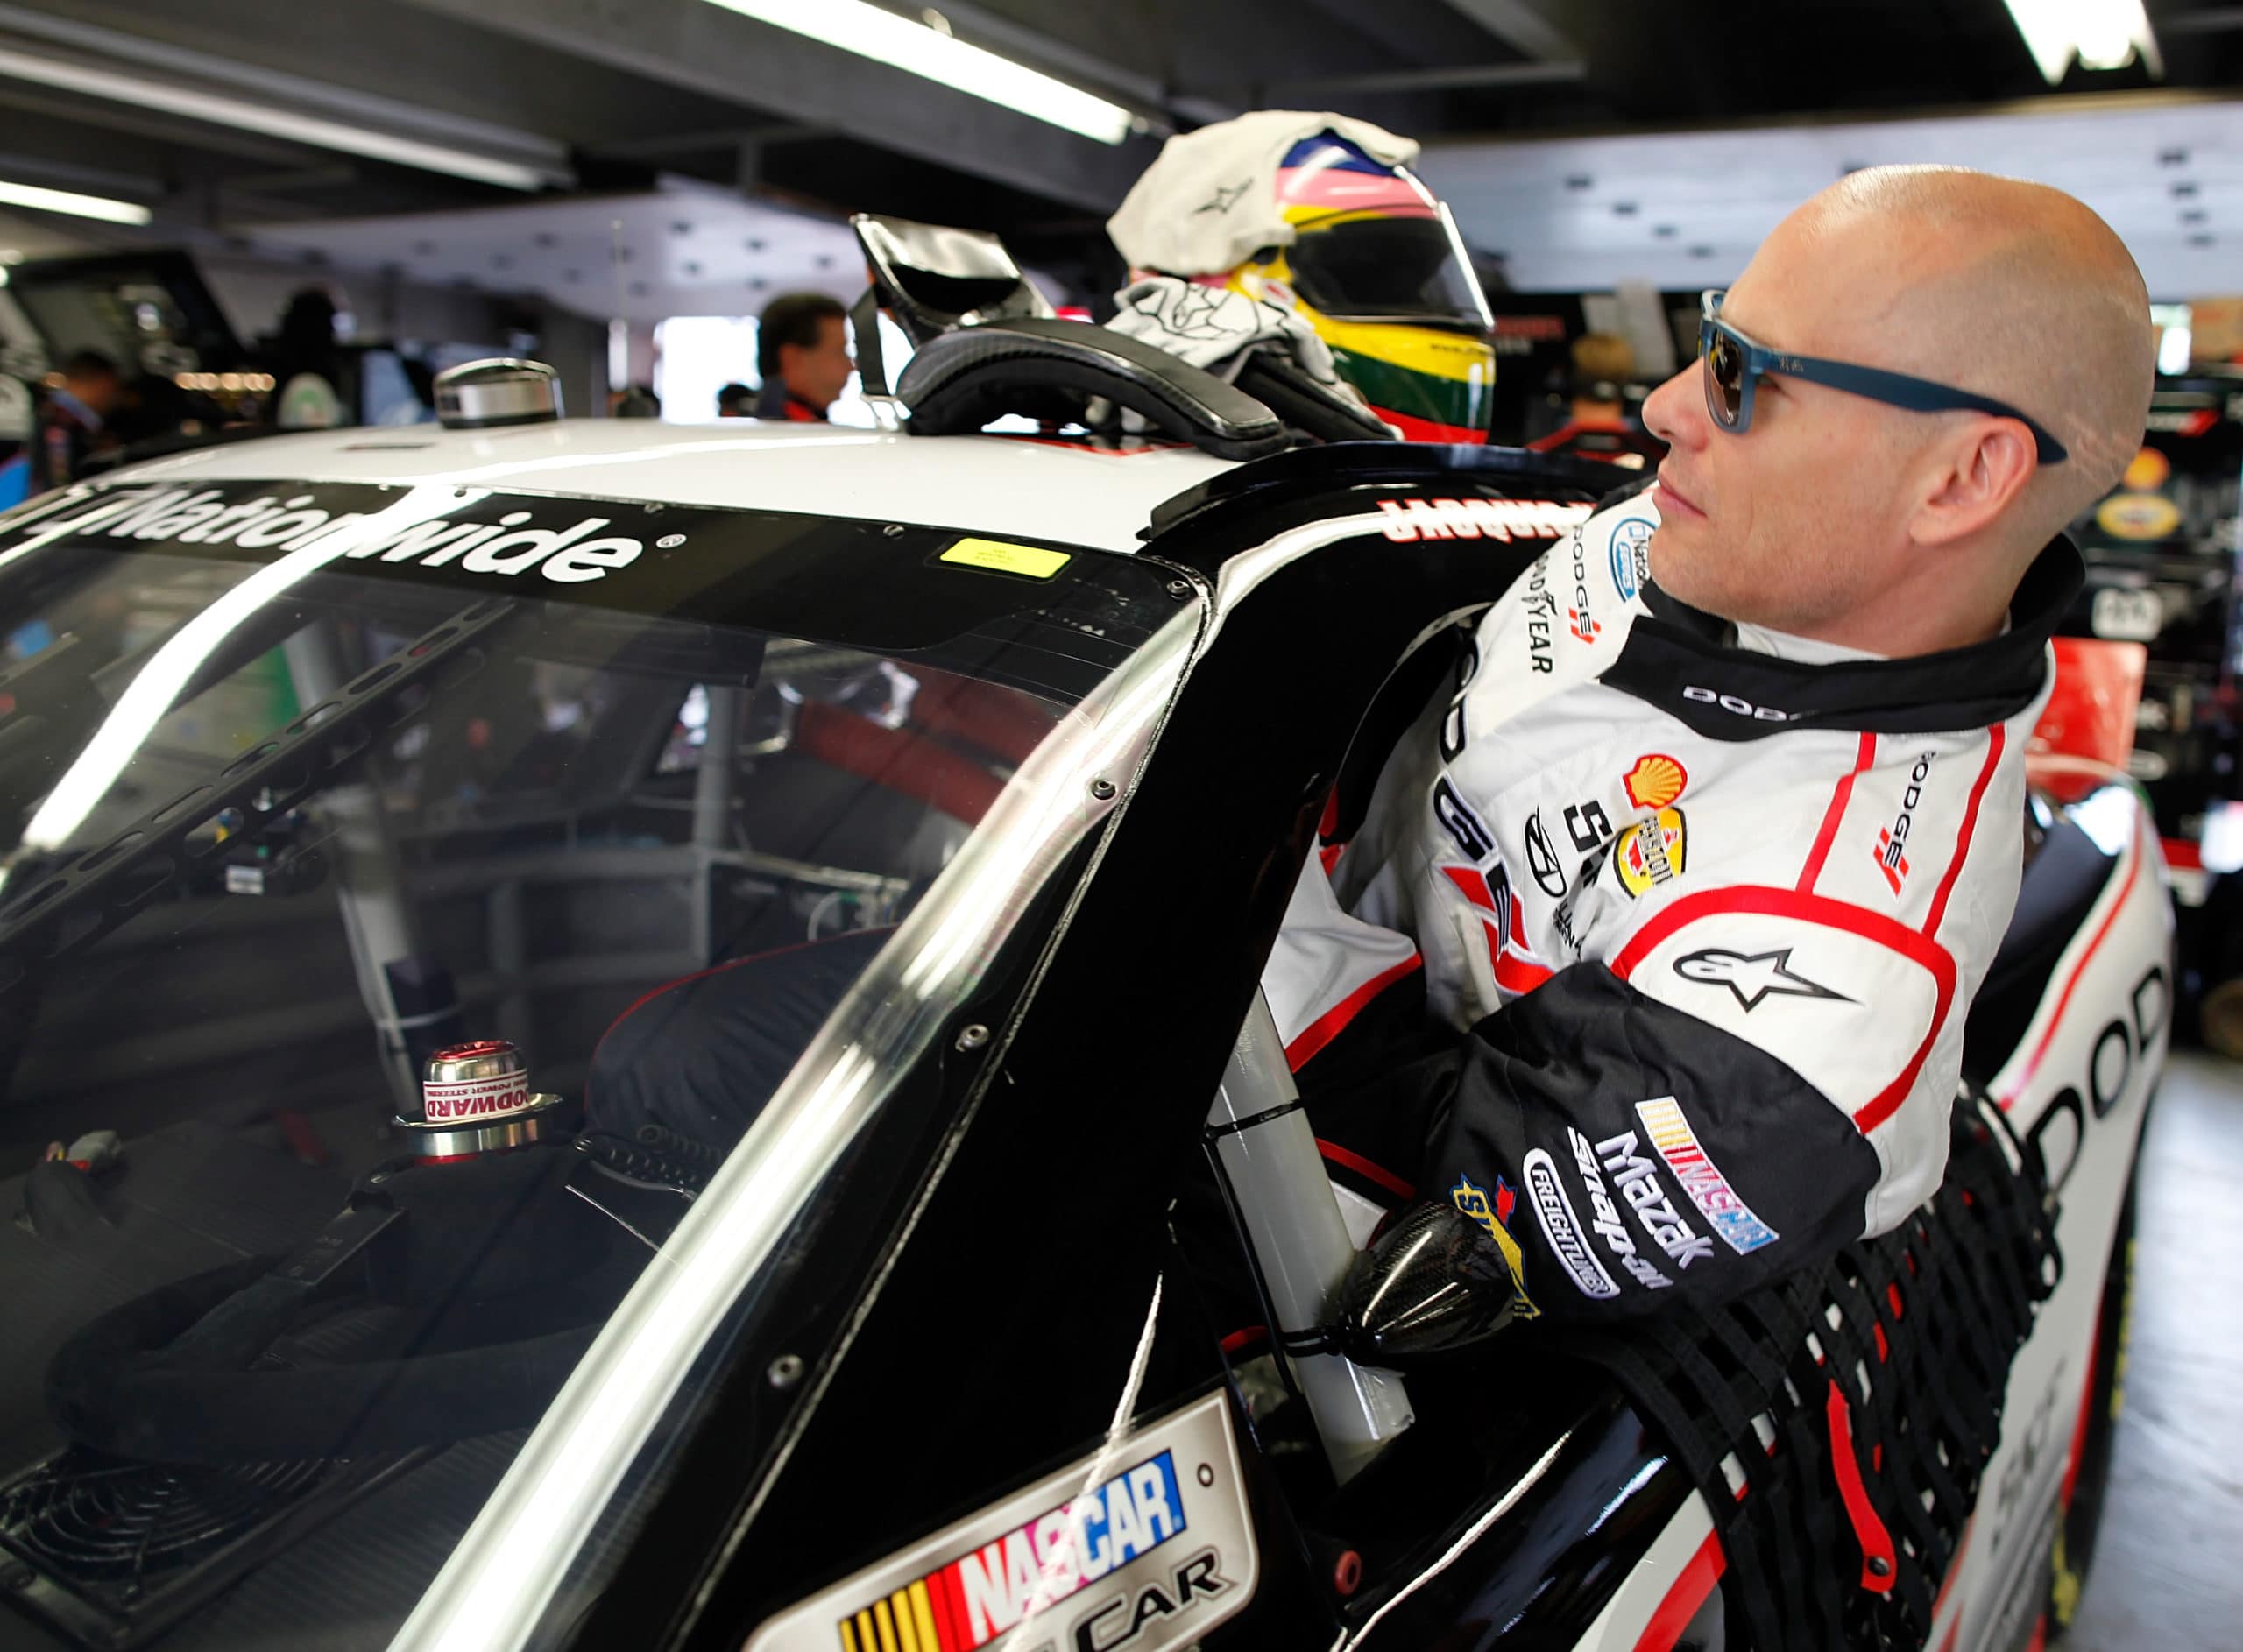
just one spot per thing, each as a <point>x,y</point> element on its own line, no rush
<point>1677,647</point>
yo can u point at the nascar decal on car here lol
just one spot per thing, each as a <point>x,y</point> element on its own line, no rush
<point>1656,780</point>
<point>1892,840</point>
<point>1636,1178</point>
<point>1701,1178</point>
<point>1146,1545</point>
<point>1650,852</point>
<point>1629,551</point>
<point>1753,976</point>
<point>1495,1214</point>
<point>1605,1221</point>
<point>1505,519</point>
<point>1554,1214</point>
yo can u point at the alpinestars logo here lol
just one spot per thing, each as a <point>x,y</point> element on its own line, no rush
<point>1753,976</point>
<point>1892,841</point>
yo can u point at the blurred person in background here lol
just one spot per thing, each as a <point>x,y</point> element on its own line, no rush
<point>735,400</point>
<point>802,350</point>
<point>74,415</point>
<point>309,370</point>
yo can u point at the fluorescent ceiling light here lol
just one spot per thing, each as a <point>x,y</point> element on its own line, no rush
<point>77,206</point>
<point>2102,34</point>
<point>263,117</point>
<point>853,26</point>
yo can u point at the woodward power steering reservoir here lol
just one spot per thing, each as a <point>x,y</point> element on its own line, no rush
<point>476,1098</point>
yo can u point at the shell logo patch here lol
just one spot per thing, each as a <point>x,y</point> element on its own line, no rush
<point>1650,852</point>
<point>1656,780</point>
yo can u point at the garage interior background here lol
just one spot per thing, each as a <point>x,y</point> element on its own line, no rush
<point>617,185</point>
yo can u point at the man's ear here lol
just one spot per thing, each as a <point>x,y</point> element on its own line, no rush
<point>1972,480</point>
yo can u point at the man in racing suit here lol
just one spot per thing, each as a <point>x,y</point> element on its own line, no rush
<point>1708,851</point>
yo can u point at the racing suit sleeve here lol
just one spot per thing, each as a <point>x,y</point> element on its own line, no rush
<point>1634,1155</point>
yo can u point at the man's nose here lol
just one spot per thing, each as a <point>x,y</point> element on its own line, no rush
<point>1675,412</point>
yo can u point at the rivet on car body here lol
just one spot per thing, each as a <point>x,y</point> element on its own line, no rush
<point>1880,1567</point>
<point>1347,1573</point>
<point>1103,789</point>
<point>894,530</point>
<point>785,1370</point>
<point>973,1037</point>
<point>1179,589</point>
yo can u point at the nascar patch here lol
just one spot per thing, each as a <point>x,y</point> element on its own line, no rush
<point>1149,1544</point>
<point>1652,852</point>
<point>1701,1179</point>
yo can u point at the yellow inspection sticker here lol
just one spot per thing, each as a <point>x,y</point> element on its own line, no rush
<point>1006,558</point>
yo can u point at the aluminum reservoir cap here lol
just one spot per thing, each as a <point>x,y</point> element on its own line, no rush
<point>504,389</point>
<point>472,1083</point>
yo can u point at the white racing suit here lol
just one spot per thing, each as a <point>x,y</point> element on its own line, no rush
<point>1709,917</point>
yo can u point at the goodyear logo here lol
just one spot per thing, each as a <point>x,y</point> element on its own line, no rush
<point>1650,852</point>
<point>1495,1215</point>
<point>1701,1179</point>
<point>972,1601</point>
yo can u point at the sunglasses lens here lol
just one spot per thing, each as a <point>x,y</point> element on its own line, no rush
<point>1725,378</point>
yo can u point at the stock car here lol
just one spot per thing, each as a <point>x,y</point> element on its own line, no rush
<point>397,1256</point>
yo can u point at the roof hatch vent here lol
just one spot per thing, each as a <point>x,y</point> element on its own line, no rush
<point>504,389</point>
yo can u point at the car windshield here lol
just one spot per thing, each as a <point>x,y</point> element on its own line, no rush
<point>412,897</point>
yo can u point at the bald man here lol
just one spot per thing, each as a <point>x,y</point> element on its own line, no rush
<point>1705,858</point>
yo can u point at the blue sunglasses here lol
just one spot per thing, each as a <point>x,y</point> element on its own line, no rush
<point>1734,364</point>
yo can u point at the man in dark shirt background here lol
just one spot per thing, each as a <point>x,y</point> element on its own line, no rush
<point>802,350</point>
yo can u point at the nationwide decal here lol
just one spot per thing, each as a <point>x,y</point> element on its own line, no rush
<point>1629,552</point>
<point>1541,858</point>
<point>1148,1545</point>
<point>1540,608</point>
<point>1495,1215</point>
<point>1555,1214</point>
<point>1892,840</point>
<point>1656,780</point>
<point>1505,519</point>
<point>173,517</point>
<point>1650,852</point>
<point>1753,976</point>
<point>1606,1223</point>
<point>1583,627</point>
<point>1701,1178</point>
<point>1637,1180</point>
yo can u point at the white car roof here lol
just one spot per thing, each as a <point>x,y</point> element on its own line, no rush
<point>1002,486</point>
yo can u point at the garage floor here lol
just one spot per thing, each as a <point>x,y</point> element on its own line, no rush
<point>2168,1574</point>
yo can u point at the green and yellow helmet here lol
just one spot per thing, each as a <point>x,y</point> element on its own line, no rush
<point>1377,267</point>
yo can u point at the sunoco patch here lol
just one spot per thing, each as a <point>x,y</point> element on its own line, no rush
<point>1148,1544</point>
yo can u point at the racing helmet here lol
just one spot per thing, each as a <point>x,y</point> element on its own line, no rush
<point>1319,215</point>
<point>1377,267</point>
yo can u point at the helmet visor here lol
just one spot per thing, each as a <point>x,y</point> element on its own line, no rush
<point>1392,269</point>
